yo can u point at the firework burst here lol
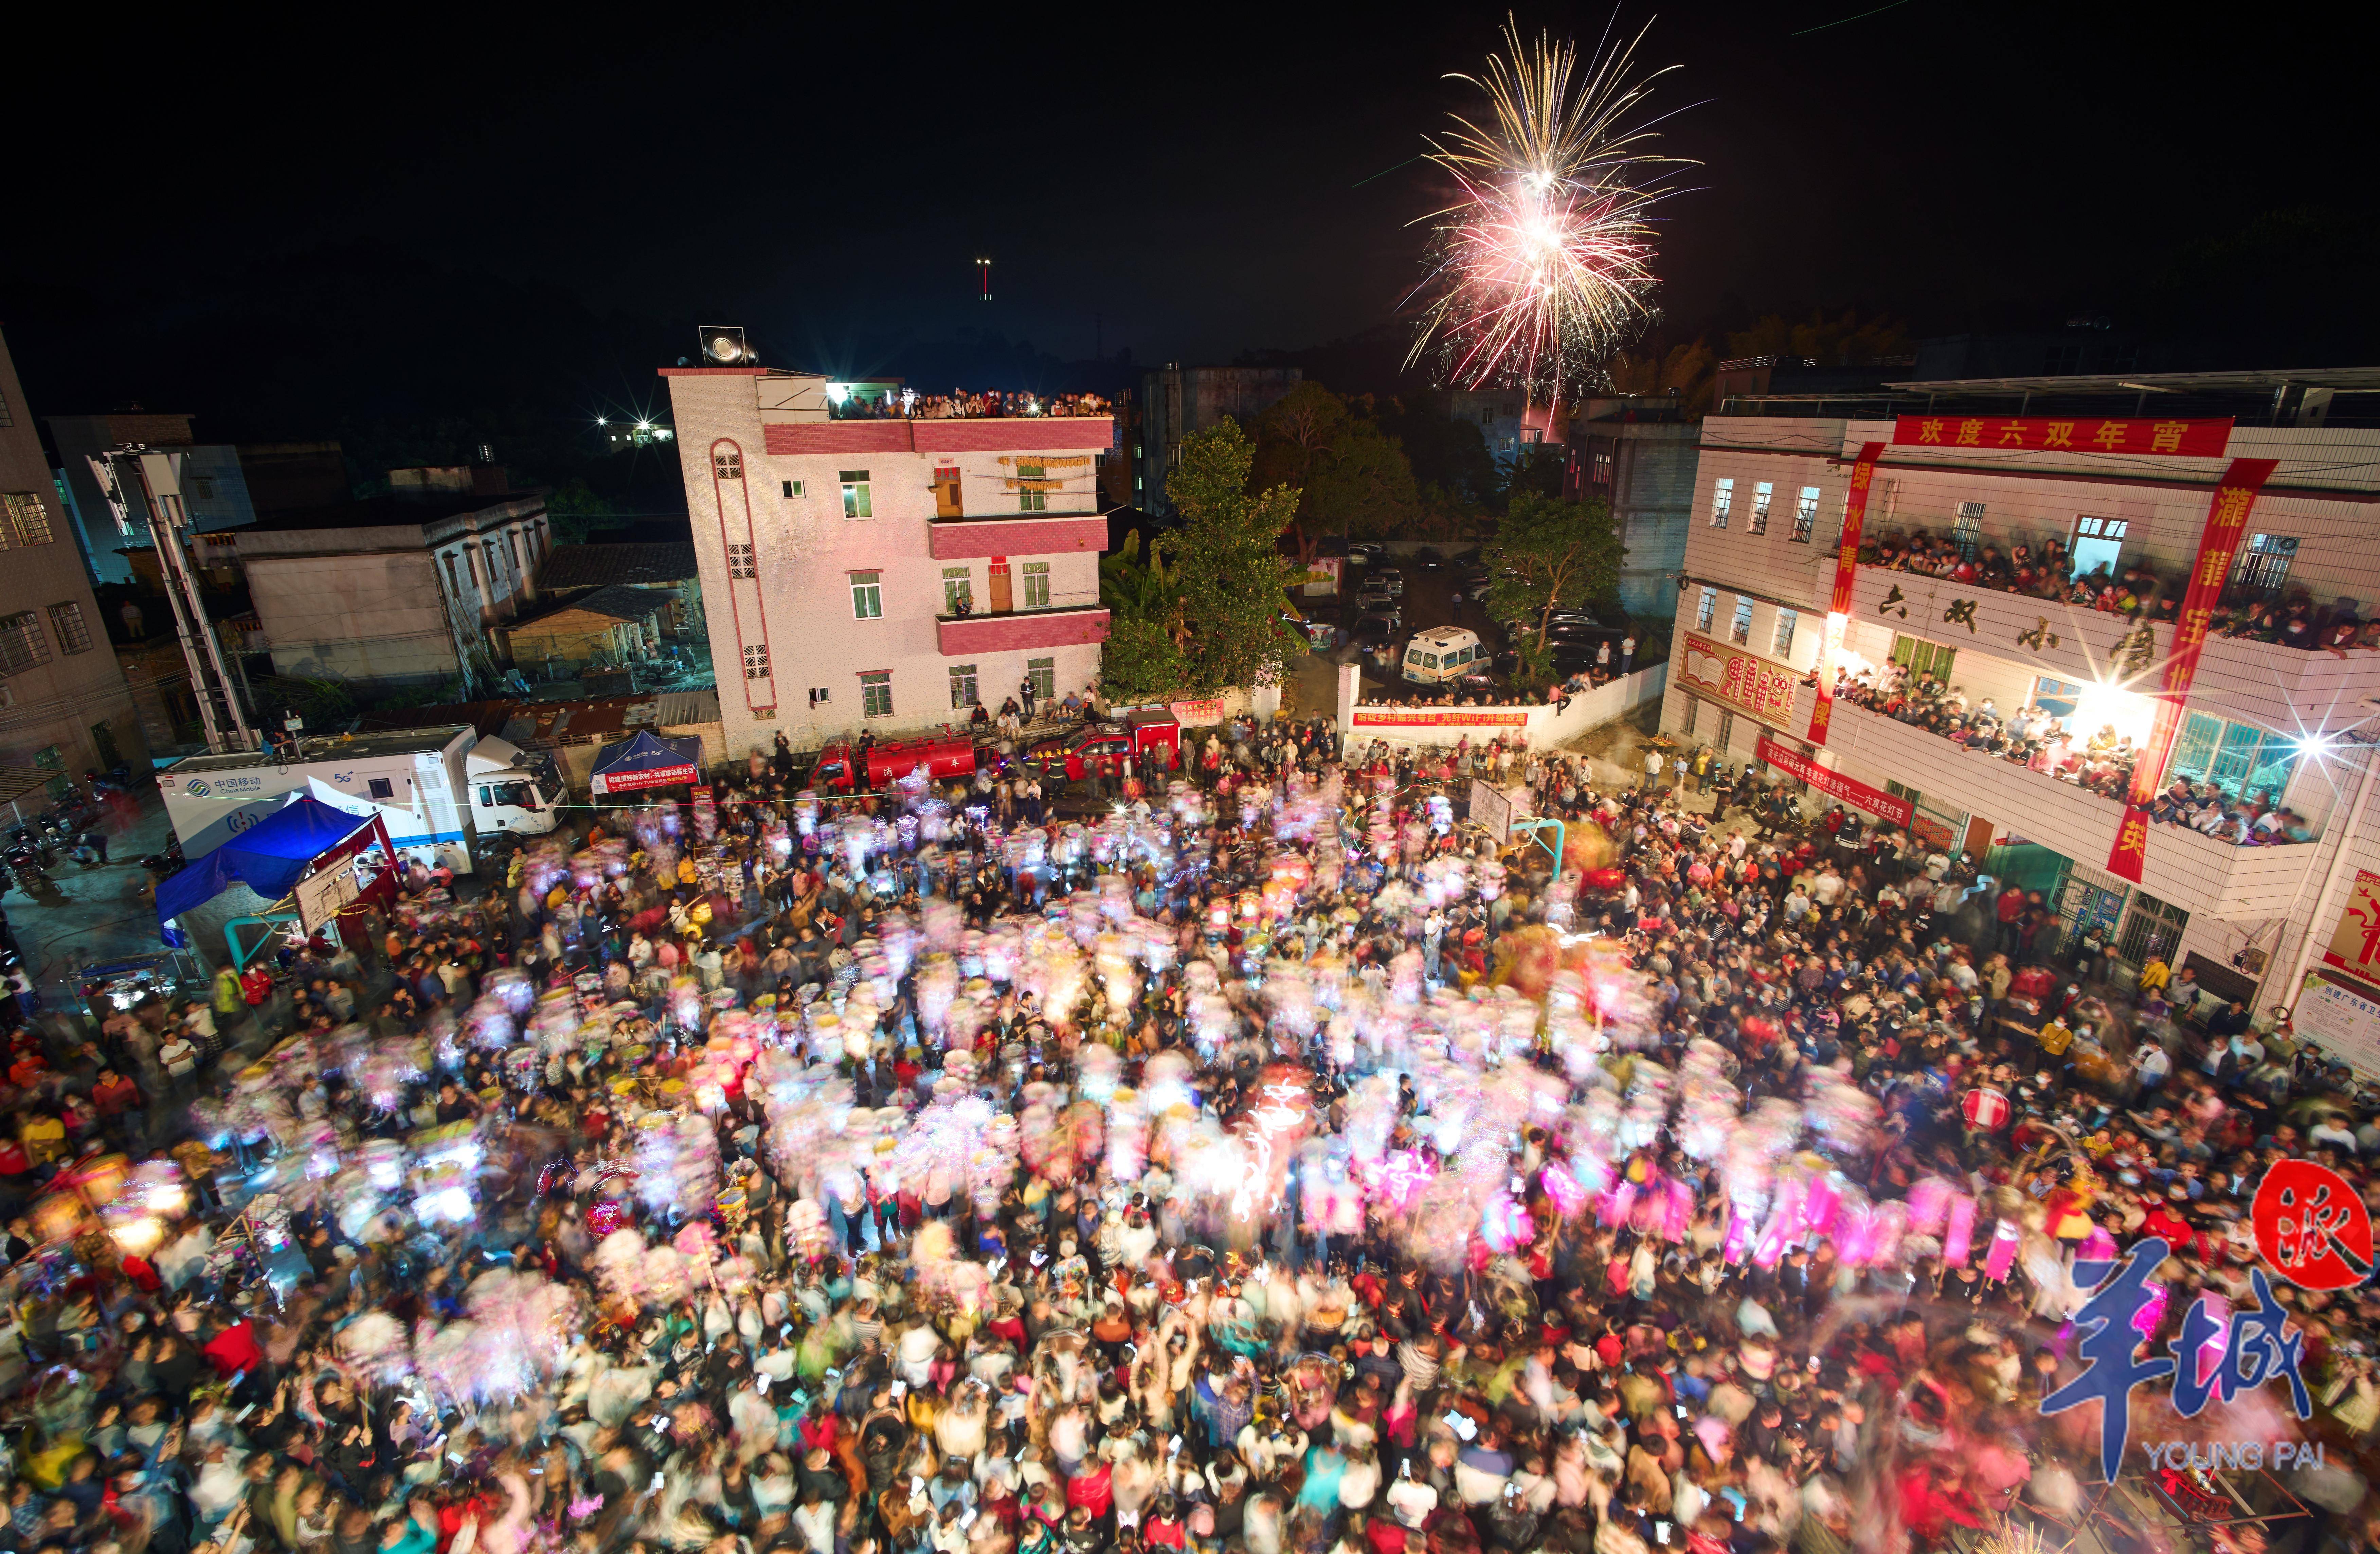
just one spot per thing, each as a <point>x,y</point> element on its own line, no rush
<point>1542,265</point>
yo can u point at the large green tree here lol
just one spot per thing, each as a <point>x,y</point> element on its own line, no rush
<point>1145,631</point>
<point>1353,478</point>
<point>1547,553</point>
<point>1226,562</point>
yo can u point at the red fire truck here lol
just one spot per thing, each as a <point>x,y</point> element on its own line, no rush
<point>943,757</point>
<point>1136,734</point>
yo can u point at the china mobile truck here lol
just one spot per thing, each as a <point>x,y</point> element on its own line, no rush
<point>437,789</point>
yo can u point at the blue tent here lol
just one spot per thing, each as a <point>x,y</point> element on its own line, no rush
<point>646,761</point>
<point>267,858</point>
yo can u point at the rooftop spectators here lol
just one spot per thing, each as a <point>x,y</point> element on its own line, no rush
<point>912,405</point>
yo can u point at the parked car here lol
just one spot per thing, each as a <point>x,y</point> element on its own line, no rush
<point>1429,560</point>
<point>1441,654</point>
<point>1375,628</point>
<point>1390,578</point>
<point>1365,553</point>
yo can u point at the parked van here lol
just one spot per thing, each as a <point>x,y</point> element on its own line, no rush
<point>1443,652</point>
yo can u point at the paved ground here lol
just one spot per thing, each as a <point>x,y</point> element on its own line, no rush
<point>96,914</point>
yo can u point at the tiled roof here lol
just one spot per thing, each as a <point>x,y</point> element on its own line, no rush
<point>587,566</point>
<point>620,603</point>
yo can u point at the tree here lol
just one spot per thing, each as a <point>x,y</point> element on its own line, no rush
<point>1145,633</point>
<point>1446,451</point>
<point>1846,341</point>
<point>1687,370</point>
<point>1353,478</point>
<point>1550,552</point>
<point>1233,579</point>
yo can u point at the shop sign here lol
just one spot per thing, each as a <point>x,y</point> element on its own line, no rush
<point>1761,687</point>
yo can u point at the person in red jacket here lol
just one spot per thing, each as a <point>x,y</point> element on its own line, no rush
<point>234,1351</point>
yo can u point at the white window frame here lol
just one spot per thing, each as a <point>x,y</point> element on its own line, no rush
<point>1035,573</point>
<point>871,683</point>
<point>867,596</point>
<point>1722,502</point>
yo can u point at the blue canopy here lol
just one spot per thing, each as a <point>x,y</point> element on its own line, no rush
<point>646,761</point>
<point>267,858</point>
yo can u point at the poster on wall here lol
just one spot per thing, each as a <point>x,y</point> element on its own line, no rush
<point>2355,943</point>
<point>1759,687</point>
<point>2346,1022</point>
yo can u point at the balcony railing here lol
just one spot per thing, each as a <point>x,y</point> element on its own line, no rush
<point>1063,626</point>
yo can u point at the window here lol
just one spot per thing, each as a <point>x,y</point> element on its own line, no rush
<point>2058,699</point>
<point>1031,501</point>
<point>1805,514</point>
<point>21,643</point>
<point>1967,531</point>
<point>1705,609</point>
<point>454,584</point>
<point>1487,416</point>
<point>28,520</point>
<point>727,464</point>
<point>740,563</point>
<point>202,488</point>
<point>793,487</point>
<point>380,787</point>
<point>2264,564</point>
<point>1762,492</point>
<point>963,694</point>
<point>1722,498</point>
<point>1043,673</point>
<point>1505,445</point>
<point>2151,928</point>
<point>876,694</point>
<point>1037,585</point>
<point>2088,527</point>
<point>958,583</point>
<point>867,598</point>
<point>1786,620</point>
<point>854,494</point>
<point>1741,631</point>
<point>755,660</point>
<point>67,625</point>
<point>1925,658</point>
<point>2237,758</point>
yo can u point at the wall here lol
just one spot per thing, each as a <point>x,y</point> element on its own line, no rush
<point>373,616</point>
<point>60,702</point>
<point>1544,727</point>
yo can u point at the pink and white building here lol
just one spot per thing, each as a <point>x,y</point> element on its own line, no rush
<point>836,554</point>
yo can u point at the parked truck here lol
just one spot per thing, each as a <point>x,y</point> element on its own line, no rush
<point>437,789</point>
<point>944,757</point>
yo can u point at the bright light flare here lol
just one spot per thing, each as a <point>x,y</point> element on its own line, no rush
<point>1542,266</point>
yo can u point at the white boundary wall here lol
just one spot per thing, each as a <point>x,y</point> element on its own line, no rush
<point>1546,728</point>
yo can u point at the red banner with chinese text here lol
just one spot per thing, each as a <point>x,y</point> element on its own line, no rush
<point>2219,543</point>
<point>2195,439</point>
<point>1839,607</point>
<point>1833,783</point>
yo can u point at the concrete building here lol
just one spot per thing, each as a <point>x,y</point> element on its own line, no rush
<point>607,628</point>
<point>2263,719</point>
<point>1639,456</point>
<point>1176,401</point>
<point>1509,421</point>
<point>884,574</point>
<point>64,705</point>
<point>403,588</point>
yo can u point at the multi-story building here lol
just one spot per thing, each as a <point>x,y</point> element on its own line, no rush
<point>1509,421</point>
<point>1176,401</point>
<point>401,588</point>
<point>884,574</point>
<point>215,488</point>
<point>64,705</point>
<point>1638,454</point>
<point>2264,720</point>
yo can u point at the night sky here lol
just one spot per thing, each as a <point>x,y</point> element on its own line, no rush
<point>440,222</point>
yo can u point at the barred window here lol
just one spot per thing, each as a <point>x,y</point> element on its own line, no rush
<point>1805,514</point>
<point>66,624</point>
<point>23,646</point>
<point>1722,500</point>
<point>1762,492</point>
<point>756,661</point>
<point>876,694</point>
<point>740,563</point>
<point>28,520</point>
<point>727,464</point>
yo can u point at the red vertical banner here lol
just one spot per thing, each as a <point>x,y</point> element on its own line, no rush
<point>1839,607</point>
<point>2219,543</point>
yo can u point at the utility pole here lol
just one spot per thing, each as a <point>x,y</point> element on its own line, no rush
<point>155,478</point>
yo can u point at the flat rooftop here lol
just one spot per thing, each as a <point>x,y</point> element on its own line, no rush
<point>388,742</point>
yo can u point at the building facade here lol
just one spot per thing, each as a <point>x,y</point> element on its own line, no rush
<point>1640,460</point>
<point>1509,421</point>
<point>2266,722</point>
<point>884,574</point>
<point>64,705</point>
<point>214,487</point>
<point>1176,401</point>
<point>401,588</point>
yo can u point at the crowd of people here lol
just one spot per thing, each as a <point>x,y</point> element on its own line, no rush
<point>2100,761</point>
<point>908,404</point>
<point>2049,572</point>
<point>1268,1163</point>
